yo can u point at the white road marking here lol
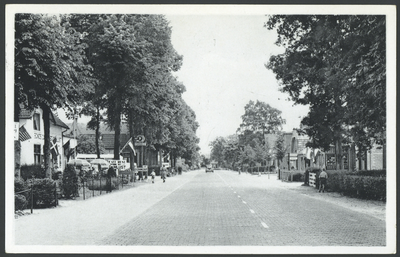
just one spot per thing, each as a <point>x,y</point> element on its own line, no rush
<point>264,225</point>
<point>252,211</point>
<point>234,192</point>
<point>244,202</point>
<point>239,196</point>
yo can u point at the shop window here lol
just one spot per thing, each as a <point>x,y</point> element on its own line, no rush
<point>36,121</point>
<point>36,152</point>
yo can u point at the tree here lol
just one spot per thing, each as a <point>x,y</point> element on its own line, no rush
<point>247,155</point>
<point>87,145</point>
<point>50,68</point>
<point>261,117</point>
<point>218,150</point>
<point>232,150</point>
<point>335,64</point>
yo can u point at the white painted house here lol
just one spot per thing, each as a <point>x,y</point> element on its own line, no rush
<point>31,136</point>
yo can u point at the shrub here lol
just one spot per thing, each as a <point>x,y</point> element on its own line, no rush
<point>56,175</point>
<point>27,171</point>
<point>298,176</point>
<point>43,192</point>
<point>365,187</point>
<point>20,202</point>
<point>70,182</point>
<point>20,185</point>
<point>20,199</point>
<point>371,173</point>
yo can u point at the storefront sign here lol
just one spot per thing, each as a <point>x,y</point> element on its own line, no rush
<point>37,135</point>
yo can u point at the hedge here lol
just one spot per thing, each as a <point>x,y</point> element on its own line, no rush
<point>355,185</point>
<point>27,171</point>
<point>70,182</point>
<point>20,202</point>
<point>20,199</point>
<point>43,192</point>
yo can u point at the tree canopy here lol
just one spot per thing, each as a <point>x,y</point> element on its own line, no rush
<point>51,70</point>
<point>119,65</point>
<point>336,64</point>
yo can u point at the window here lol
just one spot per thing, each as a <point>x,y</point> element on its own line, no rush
<point>36,121</point>
<point>36,153</point>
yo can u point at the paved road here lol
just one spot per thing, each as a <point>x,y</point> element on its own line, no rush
<point>222,208</point>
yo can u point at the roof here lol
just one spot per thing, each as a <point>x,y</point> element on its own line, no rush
<point>104,129</point>
<point>56,121</point>
<point>27,114</point>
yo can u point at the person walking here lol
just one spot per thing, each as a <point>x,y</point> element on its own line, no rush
<point>153,175</point>
<point>323,176</point>
<point>163,173</point>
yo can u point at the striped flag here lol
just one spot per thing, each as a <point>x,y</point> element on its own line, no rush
<point>23,134</point>
<point>130,143</point>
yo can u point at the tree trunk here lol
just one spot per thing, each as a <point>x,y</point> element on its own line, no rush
<point>117,129</point>
<point>97,131</point>
<point>338,154</point>
<point>46,147</point>
<point>131,135</point>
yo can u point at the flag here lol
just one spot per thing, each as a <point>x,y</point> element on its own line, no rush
<point>130,143</point>
<point>54,148</point>
<point>23,134</point>
<point>68,151</point>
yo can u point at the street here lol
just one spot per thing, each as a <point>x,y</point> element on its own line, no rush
<point>218,209</point>
<point>202,209</point>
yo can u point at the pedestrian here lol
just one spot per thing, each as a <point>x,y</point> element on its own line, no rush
<point>323,176</point>
<point>110,173</point>
<point>163,173</point>
<point>153,175</point>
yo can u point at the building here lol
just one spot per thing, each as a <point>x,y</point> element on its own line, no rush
<point>30,133</point>
<point>299,157</point>
<point>145,155</point>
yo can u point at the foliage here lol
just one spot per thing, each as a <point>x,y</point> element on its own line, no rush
<point>247,155</point>
<point>133,60</point>
<point>217,150</point>
<point>336,64</point>
<point>87,145</point>
<point>44,191</point>
<point>20,197</point>
<point>261,117</point>
<point>372,173</point>
<point>70,182</point>
<point>27,171</point>
<point>50,68</point>
<point>20,202</point>
<point>359,185</point>
<point>279,147</point>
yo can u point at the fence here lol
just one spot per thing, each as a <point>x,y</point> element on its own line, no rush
<point>262,170</point>
<point>93,186</point>
<point>30,196</point>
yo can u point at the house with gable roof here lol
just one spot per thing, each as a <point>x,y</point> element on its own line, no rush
<point>30,140</point>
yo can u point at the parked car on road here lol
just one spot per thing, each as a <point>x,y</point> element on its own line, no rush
<point>80,164</point>
<point>103,163</point>
<point>209,168</point>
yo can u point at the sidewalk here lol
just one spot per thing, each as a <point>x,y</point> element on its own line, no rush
<point>85,222</point>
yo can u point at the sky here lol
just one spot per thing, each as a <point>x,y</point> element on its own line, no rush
<point>223,69</point>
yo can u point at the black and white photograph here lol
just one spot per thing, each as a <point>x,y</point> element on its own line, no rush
<point>200,129</point>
